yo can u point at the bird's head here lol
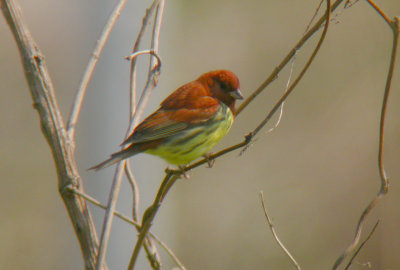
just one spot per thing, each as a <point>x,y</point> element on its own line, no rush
<point>224,85</point>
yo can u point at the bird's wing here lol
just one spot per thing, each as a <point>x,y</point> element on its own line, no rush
<point>174,116</point>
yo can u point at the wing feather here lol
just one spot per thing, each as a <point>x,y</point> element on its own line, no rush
<point>169,121</point>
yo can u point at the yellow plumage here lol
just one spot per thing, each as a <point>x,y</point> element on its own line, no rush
<point>197,141</point>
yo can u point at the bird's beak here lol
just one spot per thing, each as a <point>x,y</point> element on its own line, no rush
<point>236,94</point>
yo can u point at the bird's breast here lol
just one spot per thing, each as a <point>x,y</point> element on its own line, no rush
<point>197,140</point>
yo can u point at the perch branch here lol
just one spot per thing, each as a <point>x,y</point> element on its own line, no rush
<point>150,213</point>
<point>173,175</point>
<point>300,76</point>
<point>287,58</point>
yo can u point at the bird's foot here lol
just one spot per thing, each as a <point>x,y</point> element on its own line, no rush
<point>210,161</point>
<point>182,169</point>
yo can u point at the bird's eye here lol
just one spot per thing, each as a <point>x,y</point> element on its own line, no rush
<point>223,86</point>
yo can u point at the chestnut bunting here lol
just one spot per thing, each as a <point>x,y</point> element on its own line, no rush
<point>188,123</point>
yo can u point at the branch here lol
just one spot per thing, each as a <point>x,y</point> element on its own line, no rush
<point>250,136</point>
<point>275,235</point>
<point>362,245</point>
<point>42,91</point>
<point>150,213</point>
<point>306,66</point>
<point>256,92</point>
<point>115,187</point>
<point>132,222</point>
<point>384,187</point>
<point>152,80</point>
<point>287,58</point>
<point>132,78</point>
<point>80,94</point>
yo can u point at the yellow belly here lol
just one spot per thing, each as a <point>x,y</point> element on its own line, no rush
<point>197,141</point>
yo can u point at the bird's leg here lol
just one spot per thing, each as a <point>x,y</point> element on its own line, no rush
<point>210,161</point>
<point>180,171</point>
<point>170,170</point>
<point>182,168</point>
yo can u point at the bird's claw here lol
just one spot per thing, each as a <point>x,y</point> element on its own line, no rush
<point>210,161</point>
<point>184,172</point>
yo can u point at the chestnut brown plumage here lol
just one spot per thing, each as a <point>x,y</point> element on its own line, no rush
<point>188,123</point>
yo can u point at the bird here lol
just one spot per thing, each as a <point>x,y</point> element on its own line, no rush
<point>188,123</point>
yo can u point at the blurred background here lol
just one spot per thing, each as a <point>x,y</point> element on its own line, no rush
<point>318,169</point>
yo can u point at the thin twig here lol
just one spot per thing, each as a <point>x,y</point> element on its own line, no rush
<point>349,4</point>
<point>132,222</point>
<point>149,246</point>
<point>150,213</point>
<point>45,102</point>
<point>152,80</point>
<point>381,13</point>
<point>169,251</point>
<point>313,17</point>
<point>80,94</point>
<point>132,76</point>
<point>115,187</point>
<point>384,187</point>
<point>144,98</point>
<point>300,76</point>
<point>135,191</point>
<point>287,58</point>
<point>362,245</point>
<point>275,235</point>
<point>283,103</point>
<point>99,204</point>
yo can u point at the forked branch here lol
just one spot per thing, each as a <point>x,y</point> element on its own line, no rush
<point>384,187</point>
<point>44,100</point>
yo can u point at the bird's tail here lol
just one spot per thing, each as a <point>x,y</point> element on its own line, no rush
<point>116,157</point>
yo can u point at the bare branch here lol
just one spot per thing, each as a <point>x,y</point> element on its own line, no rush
<point>381,13</point>
<point>132,78</point>
<point>80,94</point>
<point>44,99</point>
<point>135,191</point>
<point>169,251</point>
<point>362,245</point>
<point>314,16</point>
<point>149,246</point>
<point>152,80</point>
<point>144,98</point>
<point>115,188</point>
<point>384,187</point>
<point>306,66</point>
<point>278,121</point>
<point>132,222</point>
<point>150,213</point>
<point>287,58</point>
<point>275,235</point>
